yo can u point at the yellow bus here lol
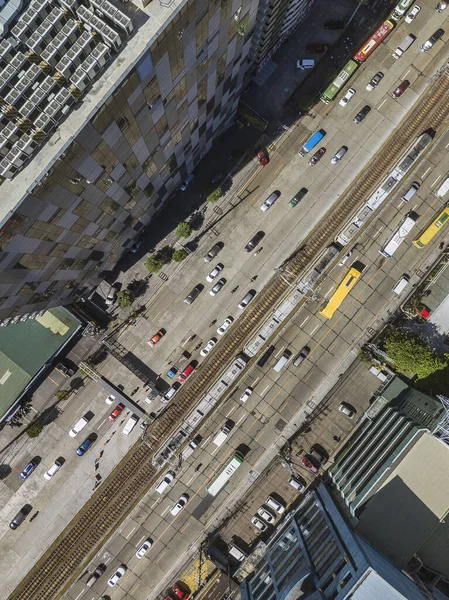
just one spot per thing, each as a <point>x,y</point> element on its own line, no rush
<point>431,231</point>
<point>342,291</point>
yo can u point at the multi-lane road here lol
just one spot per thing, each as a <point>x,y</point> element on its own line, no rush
<point>278,397</point>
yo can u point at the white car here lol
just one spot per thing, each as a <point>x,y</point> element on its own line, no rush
<point>214,273</point>
<point>246,394</point>
<point>347,97</point>
<point>412,14</point>
<point>111,399</point>
<point>117,575</point>
<point>225,326</point>
<point>177,508</point>
<point>259,523</point>
<point>208,347</point>
<point>217,287</point>
<point>346,410</point>
<point>347,256</point>
<point>266,515</point>
<point>275,505</point>
<point>144,548</point>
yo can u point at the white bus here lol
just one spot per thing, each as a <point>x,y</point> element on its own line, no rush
<point>390,248</point>
<point>218,484</point>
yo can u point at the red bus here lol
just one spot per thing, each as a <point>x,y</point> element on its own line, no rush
<point>374,41</point>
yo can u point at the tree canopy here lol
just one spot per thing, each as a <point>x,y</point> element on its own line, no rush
<point>183,230</point>
<point>412,356</point>
<point>125,298</point>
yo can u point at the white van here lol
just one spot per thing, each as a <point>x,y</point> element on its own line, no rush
<point>165,482</point>
<point>220,438</point>
<point>130,424</point>
<point>282,361</point>
<point>237,553</point>
<point>411,191</point>
<point>169,394</point>
<point>79,426</point>
<point>53,469</point>
<point>297,483</point>
<point>401,284</point>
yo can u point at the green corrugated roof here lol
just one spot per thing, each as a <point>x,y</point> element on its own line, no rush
<point>26,346</point>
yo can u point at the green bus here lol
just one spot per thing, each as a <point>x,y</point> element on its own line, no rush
<point>345,74</point>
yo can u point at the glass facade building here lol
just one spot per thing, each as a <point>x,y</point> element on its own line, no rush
<point>111,164</point>
<point>314,554</point>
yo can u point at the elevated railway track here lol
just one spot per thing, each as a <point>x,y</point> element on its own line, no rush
<point>132,478</point>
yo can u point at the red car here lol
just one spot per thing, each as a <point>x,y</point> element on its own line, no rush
<point>317,156</point>
<point>309,465</point>
<point>115,413</point>
<point>179,593</point>
<point>156,338</point>
<point>401,89</point>
<point>186,373</point>
<point>262,158</point>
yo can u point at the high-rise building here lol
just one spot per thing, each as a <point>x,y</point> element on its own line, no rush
<point>104,110</point>
<point>276,20</point>
<point>314,554</point>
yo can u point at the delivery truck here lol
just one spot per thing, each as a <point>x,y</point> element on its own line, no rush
<point>312,142</point>
<point>404,45</point>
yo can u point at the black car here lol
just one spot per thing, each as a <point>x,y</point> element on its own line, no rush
<point>254,241</point>
<point>334,25</point>
<point>362,114</point>
<point>194,294</point>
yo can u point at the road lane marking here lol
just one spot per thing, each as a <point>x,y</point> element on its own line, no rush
<point>216,450</point>
<point>263,392</point>
<point>377,232</point>
<point>130,533</point>
<point>255,381</point>
<point>81,407</point>
<point>276,355</point>
<point>103,421</point>
<point>205,441</point>
<point>231,411</point>
<point>154,503</point>
<point>305,321</point>
<point>329,291</point>
<point>140,541</point>
<point>425,172</point>
<point>80,594</point>
<point>312,332</point>
<point>191,479</point>
<point>156,561</point>
<point>432,184</point>
<point>165,511</point>
<point>381,104</point>
<point>241,418</point>
<point>406,73</point>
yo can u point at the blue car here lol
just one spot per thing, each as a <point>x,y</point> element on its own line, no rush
<point>84,447</point>
<point>28,470</point>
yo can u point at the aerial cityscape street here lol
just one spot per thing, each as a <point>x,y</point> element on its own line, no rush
<point>224,318</point>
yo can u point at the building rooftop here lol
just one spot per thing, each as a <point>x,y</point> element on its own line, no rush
<point>25,348</point>
<point>407,513</point>
<point>146,22</point>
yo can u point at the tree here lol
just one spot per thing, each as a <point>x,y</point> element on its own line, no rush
<point>214,195</point>
<point>154,264</point>
<point>412,356</point>
<point>180,255</point>
<point>183,230</point>
<point>125,298</point>
<point>34,430</point>
<point>62,394</point>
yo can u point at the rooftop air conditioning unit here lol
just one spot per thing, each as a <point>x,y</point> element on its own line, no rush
<point>124,22</point>
<point>48,84</point>
<point>23,84</point>
<point>43,7</point>
<point>7,170</point>
<point>84,14</point>
<point>8,73</point>
<point>51,55</point>
<point>56,18</point>
<point>80,79</point>
<point>27,110</point>
<point>70,30</point>
<point>11,132</point>
<point>101,54</point>
<point>5,145</point>
<point>38,96</point>
<point>6,50</point>
<point>64,97</point>
<point>44,122</point>
<point>111,38</point>
<point>12,96</point>
<point>109,9</point>
<point>91,67</point>
<point>17,157</point>
<point>97,3</point>
<point>53,110</point>
<point>66,67</point>
<point>21,31</point>
<point>26,144</point>
<point>18,61</point>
